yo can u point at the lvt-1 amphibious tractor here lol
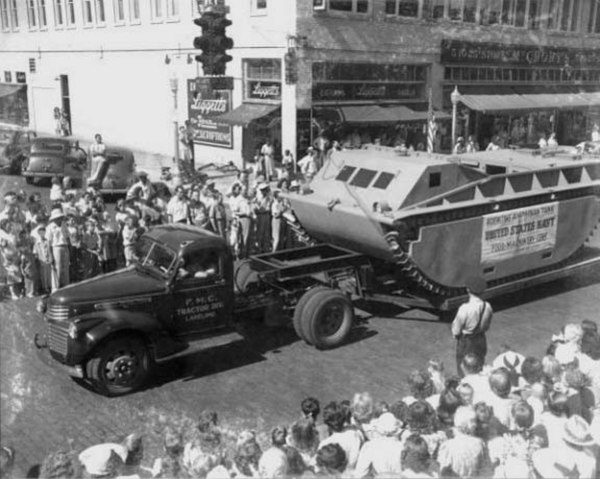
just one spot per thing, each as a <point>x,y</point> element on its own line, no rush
<point>380,225</point>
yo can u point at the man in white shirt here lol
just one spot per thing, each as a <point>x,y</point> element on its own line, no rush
<point>142,188</point>
<point>308,164</point>
<point>178,209</point>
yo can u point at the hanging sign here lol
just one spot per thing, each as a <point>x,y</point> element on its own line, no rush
<point>204,104</point>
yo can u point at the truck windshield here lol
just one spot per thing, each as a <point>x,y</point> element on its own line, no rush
<point>155,256</point>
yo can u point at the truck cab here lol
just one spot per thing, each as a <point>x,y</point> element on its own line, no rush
<point>109,330</point>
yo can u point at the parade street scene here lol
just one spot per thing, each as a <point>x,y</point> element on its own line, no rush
<point>300,239</point>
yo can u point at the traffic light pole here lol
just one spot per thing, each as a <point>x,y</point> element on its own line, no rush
<point>174,84</point>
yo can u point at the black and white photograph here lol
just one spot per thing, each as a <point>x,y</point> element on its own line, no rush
<point>300,239</point>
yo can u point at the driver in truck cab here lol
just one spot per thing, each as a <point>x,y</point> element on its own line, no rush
<point>205,268</point>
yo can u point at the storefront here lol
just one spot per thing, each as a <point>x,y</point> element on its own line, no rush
<point>13,99</point>
<point>520,93</point>
<point>361,103</point>
<point>260,112</point>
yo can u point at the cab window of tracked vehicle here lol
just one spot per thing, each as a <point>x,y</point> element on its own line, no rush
<point>155,256</point>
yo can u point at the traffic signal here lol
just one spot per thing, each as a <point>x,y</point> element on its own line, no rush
<point>213,42</point>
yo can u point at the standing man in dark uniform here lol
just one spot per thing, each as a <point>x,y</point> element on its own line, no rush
<point>472,320</point>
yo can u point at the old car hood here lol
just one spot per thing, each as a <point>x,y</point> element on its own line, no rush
<point>129,282</point>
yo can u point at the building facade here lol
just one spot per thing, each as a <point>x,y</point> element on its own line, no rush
<point>353,70</point>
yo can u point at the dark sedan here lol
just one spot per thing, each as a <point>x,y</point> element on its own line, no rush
<point>60,157</point>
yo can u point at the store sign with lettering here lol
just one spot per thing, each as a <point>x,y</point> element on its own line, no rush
<point>365,91</point>
<point>517,232</point>
<point>204,105</point>
<point>263,90</point>
<point>454,51</point>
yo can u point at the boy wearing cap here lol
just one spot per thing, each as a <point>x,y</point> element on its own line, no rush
<point>472,320</point>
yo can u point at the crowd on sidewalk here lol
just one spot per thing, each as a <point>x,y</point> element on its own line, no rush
<point>515,417</point>
<point>76,236</point>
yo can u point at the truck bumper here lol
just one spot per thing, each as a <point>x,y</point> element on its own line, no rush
<point>41,344</point>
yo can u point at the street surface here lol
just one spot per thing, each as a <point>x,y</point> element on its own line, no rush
<point>256,382</point>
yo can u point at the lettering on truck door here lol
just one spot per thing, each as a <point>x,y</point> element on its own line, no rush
<point>200,293</point>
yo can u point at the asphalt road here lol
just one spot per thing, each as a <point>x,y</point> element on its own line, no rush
<point>258,381</point>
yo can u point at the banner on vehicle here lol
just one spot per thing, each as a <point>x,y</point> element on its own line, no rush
<point>204,105</point>
<point>517,232</point>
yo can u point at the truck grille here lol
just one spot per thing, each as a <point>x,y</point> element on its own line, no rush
<point>58,330</point>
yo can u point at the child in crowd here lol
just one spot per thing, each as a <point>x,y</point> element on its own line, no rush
<point>130,235</point>
<point>43,255</point>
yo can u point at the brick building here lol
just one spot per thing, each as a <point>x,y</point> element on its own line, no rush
<point>362,68</point>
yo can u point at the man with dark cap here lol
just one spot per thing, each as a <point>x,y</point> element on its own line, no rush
<point>472,320</point>
<point>141,189</point>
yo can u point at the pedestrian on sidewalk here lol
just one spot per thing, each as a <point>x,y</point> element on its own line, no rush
<point>472,321</point>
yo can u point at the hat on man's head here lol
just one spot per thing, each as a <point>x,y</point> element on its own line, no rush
<point>475,284</point>
<point>387,424</point>
<point>295,184</point>
<point>55,214</point>
<point>577,432</point>
<point>263,186</point>
<point>142,174</point>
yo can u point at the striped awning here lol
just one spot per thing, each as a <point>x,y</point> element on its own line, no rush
<point>530,101</point>
<point>363,114</point>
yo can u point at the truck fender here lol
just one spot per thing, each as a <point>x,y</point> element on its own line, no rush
<point>104,324</point>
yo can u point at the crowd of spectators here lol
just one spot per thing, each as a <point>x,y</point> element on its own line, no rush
<point>518,417</point>
<point>76,235</point>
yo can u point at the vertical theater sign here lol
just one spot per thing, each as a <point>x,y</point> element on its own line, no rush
<point>208,100</point>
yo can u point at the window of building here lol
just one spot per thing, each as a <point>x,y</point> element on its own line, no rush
<point>70,12</point>
<point>507,15</point>
<point>470,11</point>
<point>42,18</point>
<point>134,11</point>
<point>390,7</point>
<point>494,12</point>
<point>258,7</point>
<point>319,4</point>
<point>408,8</point>
<point>100,12</point>
<point>564,19</point>
<point>520,13</point>
<point>4,16</point>
<point>119,11</point>
<point>173,9</point>
<point>594,25</point>
<point>31,16</point>
<point>552,18</point>
<point>59,13</point>
<point>351,6</point>
<point>534,15</point>
<point>88,13</point>
<point>455,10</point>
<point>575,16</point>
<point>156,10</point>
<point>14,15</point>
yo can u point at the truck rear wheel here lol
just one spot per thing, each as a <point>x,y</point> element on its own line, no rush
<point>120,366</point>
<point>299,310</point>
<point>327,318</point>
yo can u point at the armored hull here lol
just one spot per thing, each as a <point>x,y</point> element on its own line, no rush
<point>438,220</point>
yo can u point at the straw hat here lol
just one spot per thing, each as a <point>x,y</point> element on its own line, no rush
<point>96,459</point>
<point>577,432</point>
<point>56,214</point>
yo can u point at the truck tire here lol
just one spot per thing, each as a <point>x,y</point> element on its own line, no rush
<point>327,318</point>
<point>299,310</point>
<point>119,366</point>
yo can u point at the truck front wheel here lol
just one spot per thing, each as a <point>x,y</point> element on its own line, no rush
<point>119,367</point>
<point>327,318</point>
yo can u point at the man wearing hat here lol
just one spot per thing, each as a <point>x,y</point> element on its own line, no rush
<point>142,188</point>
<point>308,164</point>
<point>472,320</point>
<point>58,241</point>
<point>262,209</point>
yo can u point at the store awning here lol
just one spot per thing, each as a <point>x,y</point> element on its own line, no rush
<point>361,114</point>
<point>7,89</point>
<point>530,101</point>
<point>246,113</point>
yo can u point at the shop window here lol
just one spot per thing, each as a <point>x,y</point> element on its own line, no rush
<point>341,5</point>
<point>470,11</point>
<point>134,11</point>
<point>42,18</point>
<point>119,11</point>
<point>14,14</point>
<point>383,180</point>
<point>4,17</point>
<point>345,173</point>
<point>31,16</point>
<point>100,12</point>
<point>88,13</point>
<point>435,179</point>
<point>363,178</point>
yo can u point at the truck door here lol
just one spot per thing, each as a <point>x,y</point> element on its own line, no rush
<point>202,299</point>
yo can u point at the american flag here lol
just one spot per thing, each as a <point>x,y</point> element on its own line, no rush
<point>431,124</point>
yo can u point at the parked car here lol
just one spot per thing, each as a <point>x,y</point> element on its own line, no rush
<point>14,145</point>
<point>120,171</point>
<point>61,157</point>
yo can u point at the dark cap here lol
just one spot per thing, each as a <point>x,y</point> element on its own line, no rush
<point>476,285</point>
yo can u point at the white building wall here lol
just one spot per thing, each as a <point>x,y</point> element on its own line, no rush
<point>118,79</point>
